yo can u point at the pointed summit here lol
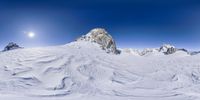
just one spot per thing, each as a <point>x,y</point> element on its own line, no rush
<point>167,49</point>
<point>101,37</point>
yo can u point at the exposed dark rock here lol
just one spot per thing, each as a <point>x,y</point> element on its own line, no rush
<point>195,53</point>
<point>11,46</point>
<point>184,50</point>
<point>170,51</point>
<point>167,49</point>
<point>101,36</point>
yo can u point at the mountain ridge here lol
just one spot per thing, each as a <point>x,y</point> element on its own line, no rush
<point>107,43</point>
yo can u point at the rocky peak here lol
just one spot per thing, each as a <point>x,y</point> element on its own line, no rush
<point>101,37</point>
<point>167,49</point>
<point>11,46</point>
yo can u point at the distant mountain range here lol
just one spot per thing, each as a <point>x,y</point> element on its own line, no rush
<point>107,43</point>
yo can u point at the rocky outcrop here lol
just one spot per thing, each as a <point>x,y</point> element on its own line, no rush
<point>146,51</point>
<point>184,50</point>
<point>195,53</point>
<point>11,46</point>
<point>167,49</point>
<point>101,37</point>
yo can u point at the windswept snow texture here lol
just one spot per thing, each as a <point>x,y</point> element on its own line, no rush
<point>83,71</point>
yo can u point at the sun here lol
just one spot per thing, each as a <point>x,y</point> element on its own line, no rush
<point>31,34</point>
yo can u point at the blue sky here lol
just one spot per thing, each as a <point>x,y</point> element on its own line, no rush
<point>132,23</point>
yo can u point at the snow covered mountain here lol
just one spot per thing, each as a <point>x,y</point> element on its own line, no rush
<point>81,70</point>
<point>165,49</point>
<point>101,37</point>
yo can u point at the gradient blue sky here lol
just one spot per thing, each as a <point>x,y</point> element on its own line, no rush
<point>132,23</point>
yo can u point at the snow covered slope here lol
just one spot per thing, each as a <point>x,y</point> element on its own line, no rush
<point>92,68</point>
<point>82,70</point>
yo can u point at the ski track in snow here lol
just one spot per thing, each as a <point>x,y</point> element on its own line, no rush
<point>81,70</point>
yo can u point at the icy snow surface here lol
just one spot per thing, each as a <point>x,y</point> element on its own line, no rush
<point>83,71</point>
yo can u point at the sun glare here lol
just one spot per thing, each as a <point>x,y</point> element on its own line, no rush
<point>31,34</point>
